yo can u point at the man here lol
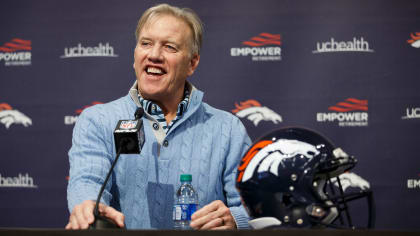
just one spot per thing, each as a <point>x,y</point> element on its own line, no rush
<point>183,135</point>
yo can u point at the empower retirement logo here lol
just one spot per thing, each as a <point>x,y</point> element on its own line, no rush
<point>71,119</point>
<point>263,47</point>
<point>17,52</point>
<point>351,112</point>
<point>413,182</point>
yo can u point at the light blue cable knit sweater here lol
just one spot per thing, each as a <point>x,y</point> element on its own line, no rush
<point>207,143</point>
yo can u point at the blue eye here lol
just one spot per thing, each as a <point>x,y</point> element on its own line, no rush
<point>170,47</point>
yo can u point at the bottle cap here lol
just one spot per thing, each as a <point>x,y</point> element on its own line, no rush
<point>186,177</point>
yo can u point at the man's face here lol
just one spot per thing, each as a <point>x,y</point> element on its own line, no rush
<point>162,58</point>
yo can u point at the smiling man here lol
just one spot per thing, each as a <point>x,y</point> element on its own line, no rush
<point>183,134</point>
<point>163,59</point>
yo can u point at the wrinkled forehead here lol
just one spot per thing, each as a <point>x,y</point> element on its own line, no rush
<point>154,17</point>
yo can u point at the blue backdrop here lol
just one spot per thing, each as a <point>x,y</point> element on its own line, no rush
<point>348,69</point>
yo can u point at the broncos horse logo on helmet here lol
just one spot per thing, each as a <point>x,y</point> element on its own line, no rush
<point>291,178</point>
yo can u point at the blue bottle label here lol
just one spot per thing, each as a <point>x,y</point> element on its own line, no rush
<point>183,211</point>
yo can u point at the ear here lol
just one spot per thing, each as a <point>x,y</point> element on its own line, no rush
<point>195,60</point>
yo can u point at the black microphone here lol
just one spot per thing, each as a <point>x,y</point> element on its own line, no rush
<point>126,136</point>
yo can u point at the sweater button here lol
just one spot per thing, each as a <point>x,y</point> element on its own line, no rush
<point>155,126</point>
<point>165,143</point>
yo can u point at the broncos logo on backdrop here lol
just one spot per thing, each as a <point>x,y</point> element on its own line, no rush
<point>253,111</point>
<point>415,40</point>
<point>8,116</point>
<point>268,155</point>
<point>349,179</point>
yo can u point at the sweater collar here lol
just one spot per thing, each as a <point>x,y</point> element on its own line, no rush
<point>196,97</point>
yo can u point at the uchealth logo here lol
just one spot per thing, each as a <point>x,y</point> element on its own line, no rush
<point>351,112</point>
<point>71,119</point>
<point>414,40</point>
<point>412,113</point>
<point>17,52</point>
<point>263,47</point>
<point>9,116</point>
<point>19,181</point>
<point>101,50</point>
<point>355,45</point>
<point>255,112</point>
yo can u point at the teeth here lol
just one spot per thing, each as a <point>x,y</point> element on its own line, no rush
<point>154,70</point>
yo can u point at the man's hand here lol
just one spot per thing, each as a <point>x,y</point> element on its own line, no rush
<point>82,215</point>
<point>215,215</point>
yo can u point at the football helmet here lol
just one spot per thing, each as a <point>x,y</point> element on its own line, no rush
<point>295,177</point>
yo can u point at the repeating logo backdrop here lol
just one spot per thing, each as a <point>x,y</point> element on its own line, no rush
<point>349,70</point>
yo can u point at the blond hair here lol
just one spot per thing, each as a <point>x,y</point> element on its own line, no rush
<point>185,14</point>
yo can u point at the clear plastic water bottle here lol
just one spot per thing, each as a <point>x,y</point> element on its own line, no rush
<point>186,202</point>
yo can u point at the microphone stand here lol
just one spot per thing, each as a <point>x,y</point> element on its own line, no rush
<point>126,145</point>
<point>102,222</point>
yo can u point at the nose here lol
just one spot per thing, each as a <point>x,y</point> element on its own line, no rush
<point>155,54</point>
